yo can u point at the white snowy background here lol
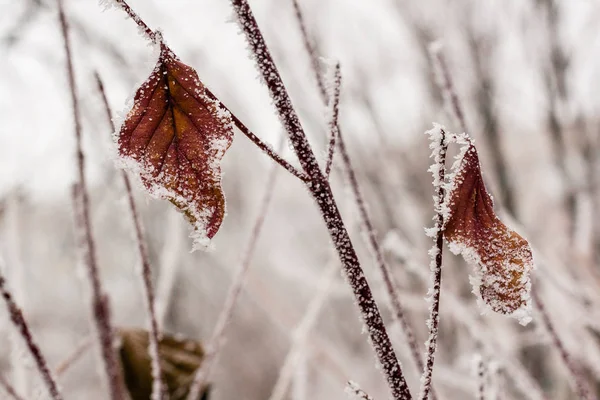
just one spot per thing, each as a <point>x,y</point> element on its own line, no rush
<point>500,54</point>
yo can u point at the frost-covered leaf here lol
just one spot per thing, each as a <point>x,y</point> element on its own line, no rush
<point>503,258</point>
<point>179,360</point>
<point>174,137</point>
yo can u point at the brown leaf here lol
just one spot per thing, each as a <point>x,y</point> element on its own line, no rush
<point>504,258</point>
<point>179,359</point>
<point>174,137</point>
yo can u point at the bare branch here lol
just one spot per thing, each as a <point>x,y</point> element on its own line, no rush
<point>9,389</point>
<point>216,342</point>
<point>580,386</point>
<point>100,303</point>
<point>158,389</point>
<point>18,320</point>
<point>333,113</point>
<point>75,355</point>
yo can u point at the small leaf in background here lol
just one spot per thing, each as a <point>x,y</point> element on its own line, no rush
<point>504,259</point>
<point>174,138</point>
<point>179,359</point>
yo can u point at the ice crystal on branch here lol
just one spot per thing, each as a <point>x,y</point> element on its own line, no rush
<point>503,258</point>
<point>174,138</point>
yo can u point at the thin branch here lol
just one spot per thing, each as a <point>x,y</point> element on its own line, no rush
<point>321,192</point>
<point>100,302</point>
<point>577,380</point>
<point>9,389</point>
<point>75,356</point>
<point>333,114</point>
<point>155,37</point>
<point>392,290</point>
<point>302,331</point>
<point>353,390</point>
<point>444,78</point>
<point>310,48</point>
<point>18,320</point>
<point>439,145</point>
<point>158,389</point>
<point>480,377</point>
<point>217,340</point>
<point>259,143</point>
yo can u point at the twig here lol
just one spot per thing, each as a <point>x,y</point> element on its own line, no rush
<point>333,113</point>
<point>392,291</point>
<point>439,146</point>
<point>154,37</point>
<point>75,355</point>
<point>100,303</point>
<point>480,377</point>
<point>18,319</point>
<point>158,390</point>
<point>259,143</point>
<point>310,48</point>
<point>321,192</point>
<point>445,82</point>
<point>355,391</point>
<point>301,333</point>
<point>216,342</point>
<point>577,380</point>
<point>9,389</point>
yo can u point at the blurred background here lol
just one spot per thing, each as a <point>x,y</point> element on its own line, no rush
<point>527,73</point>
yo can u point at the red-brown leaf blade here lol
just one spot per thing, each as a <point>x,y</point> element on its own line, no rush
<point>504,258</point>
<point>174,138</point>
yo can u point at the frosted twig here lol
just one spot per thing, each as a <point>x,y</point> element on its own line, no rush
<point>301,333</point>
<point>154,37</point>
<point>439,146</point>
<point>158,390</point>
<point>217,339</point>
<point>321,192</point>
<point>373,243</point>
<point>480,377</point>
<point>332,114</point>
<point>445,82</point>
<point>310,49</point>
<point>18,320</point>
<point>354,391</point>
<point>75,355</point>
<point>100,303</point>
<point>580,386</point>
<point>7,387</point>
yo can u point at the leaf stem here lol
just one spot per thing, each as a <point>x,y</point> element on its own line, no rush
<point>100,303</point>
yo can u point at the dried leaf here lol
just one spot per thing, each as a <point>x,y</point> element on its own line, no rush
<point>179,359</point>
<point>503,257</point>
<point>174,137</point>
